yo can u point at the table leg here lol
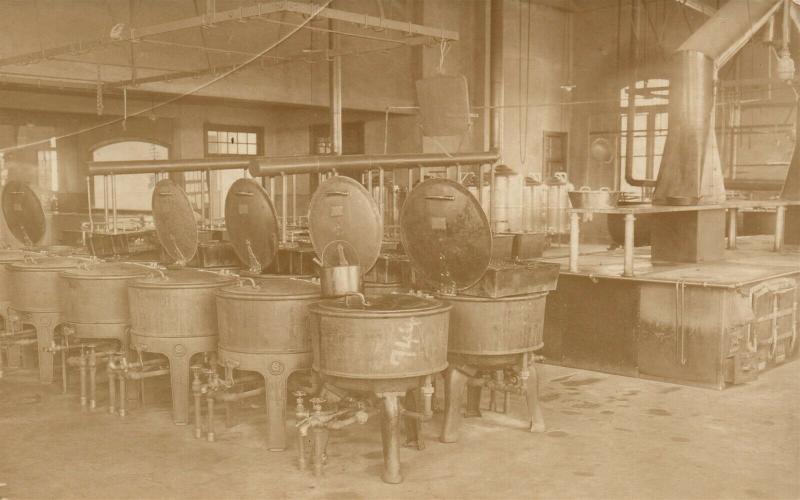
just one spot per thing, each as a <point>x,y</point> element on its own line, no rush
<point>629,221</point>
<point>574,237</point>
<point>780,223</point>
<point>732,229</point>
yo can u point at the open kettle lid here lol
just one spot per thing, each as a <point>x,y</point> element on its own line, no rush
<point>24,213</point>
<point>345,224</point>
<point>252,223</point>
<point>175,221</point>
<point>446,234</point>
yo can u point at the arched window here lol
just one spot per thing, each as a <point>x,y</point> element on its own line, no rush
<point>133,191</point>
<point>649,129</point>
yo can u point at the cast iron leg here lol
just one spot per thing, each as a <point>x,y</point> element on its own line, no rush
<point>179,378</point>
<point>44,337</point>
<point>276,411</point>
<point>390,435</point>
<point>454,383</point>
<point>532,398</point>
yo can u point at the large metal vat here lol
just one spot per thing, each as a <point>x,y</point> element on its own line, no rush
<point>179,303</point>
<point>174,312</point>
<point>492,327</point>
<point>95,299</point>
<point>7,257</point>
<point>36,297</point>
<point>264,327</point>
<point>387,344</point>
<point>449,243</point>
<point>383,345</point>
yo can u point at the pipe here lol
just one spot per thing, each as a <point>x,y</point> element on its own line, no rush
<point>265,166</point>
<point>335,89</point>
<point>230,397</point>
<point>146,374</point>
<point>631,114</point>
<point>163,166</point>
<point>496,75</point>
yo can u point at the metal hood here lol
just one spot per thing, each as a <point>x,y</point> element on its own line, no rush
<point>691,170</point>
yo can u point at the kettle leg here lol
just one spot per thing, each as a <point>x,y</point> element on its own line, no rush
<point>276,411</point>
<point>454,383</point>
<point>390,435</point>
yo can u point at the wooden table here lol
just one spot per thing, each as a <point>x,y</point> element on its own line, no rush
<point>630,213</point>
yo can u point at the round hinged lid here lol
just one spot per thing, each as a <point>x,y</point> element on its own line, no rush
<point>106,270</point>
<point>175,221</point>
<point>23,212</point>
<point>273,287</point>
<point>446,234</point>
<point>252,224</point>
<point>182,278</point>
<point>45,263</point>
<point>389,303</point>
<point>345,224</point>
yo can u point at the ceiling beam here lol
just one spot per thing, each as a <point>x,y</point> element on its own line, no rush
<point>241,14</point>
<point>699,6</point>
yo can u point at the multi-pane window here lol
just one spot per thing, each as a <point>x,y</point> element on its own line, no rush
<point>649,129</point>
<point>227,140</point>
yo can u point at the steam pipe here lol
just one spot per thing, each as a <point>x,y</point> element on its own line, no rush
<point>163,166</point>
<point>496,76</point>
<point>268,167</point>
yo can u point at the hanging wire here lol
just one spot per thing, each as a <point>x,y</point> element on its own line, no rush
<point>171,100</point>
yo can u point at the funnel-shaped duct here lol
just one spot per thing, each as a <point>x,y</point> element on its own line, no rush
<point>691,172</point>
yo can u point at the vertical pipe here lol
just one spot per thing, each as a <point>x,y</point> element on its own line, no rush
<point>632,62</point>
<point>92,378</point>
<point>210,211</point>
<point>114,200</point>
<point>335,87</point>
<point>89,202</point>
<point>496,75</point>
<point>574,239</point>
<point>82,368</point>
<point>629,221</point>
<point>112,396</point>
<point>105,202</point>
<point>732,221</point>
<point>122,395</point>
<point>210,436</point>
<point>381,180</point>
<point>780,223</point>
<point>272,188</point>
<point>202,204</point>
<point>294,199</point>
<point>284,206</point>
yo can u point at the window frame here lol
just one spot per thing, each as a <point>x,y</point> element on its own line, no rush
<point>220,127</point>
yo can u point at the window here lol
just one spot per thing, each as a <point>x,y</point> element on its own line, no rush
<point>649,129</point>
<point>226,140</point>
<point>134,192</point>
<point>555,154</point>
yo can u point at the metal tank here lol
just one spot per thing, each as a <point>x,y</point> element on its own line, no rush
<point>449,243</point>
<point>36,298</point>
<point>388,345</point>
<point>7,256</point>
<point>263,321</point>
<point>173,312</point>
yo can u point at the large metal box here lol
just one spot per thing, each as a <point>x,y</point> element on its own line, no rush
<point>697,236</point>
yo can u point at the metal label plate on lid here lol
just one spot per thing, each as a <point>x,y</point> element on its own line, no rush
<point>345,224</point>
<point>446,234</point>
<point>252,222</point>
<point>175,221</point>
<point>23,213</point>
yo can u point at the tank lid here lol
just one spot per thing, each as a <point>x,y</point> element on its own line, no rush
<point>23,213</point>
<point>344,221</point>
<point>183,277</point>
<point>446,235</point>
<point>252,224</point>
<point>175,221</point>
<point>383,303</point>
<point>46,263</point>
<point>107,270</point>
<point>274,287</point>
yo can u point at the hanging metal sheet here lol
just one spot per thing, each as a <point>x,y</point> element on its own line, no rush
<point>252,224</point>
<point>23,212</point>
<point>175,221</point>
<point>446,235</point>
<point>345,224</point>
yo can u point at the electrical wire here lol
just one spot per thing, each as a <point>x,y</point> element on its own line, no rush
<point>171,100</point>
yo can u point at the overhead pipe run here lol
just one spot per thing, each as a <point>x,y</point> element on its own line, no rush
<point>268,167</point>
<point>164,166</point>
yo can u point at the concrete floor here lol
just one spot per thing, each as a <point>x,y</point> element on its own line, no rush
<point>608,437</point>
